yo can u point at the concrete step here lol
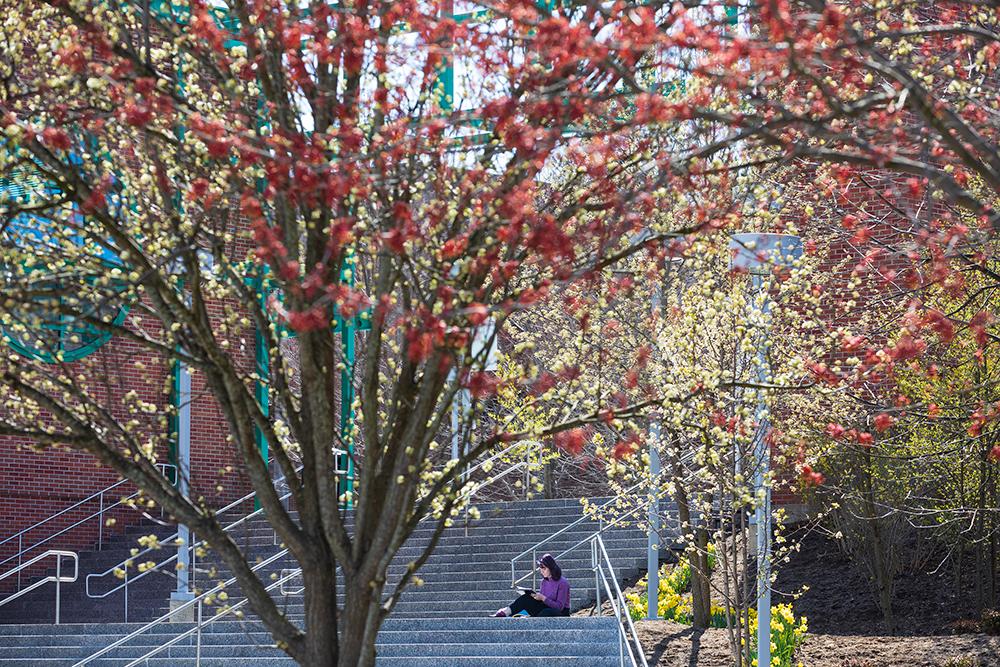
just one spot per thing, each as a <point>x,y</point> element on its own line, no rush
<point>281,660</point>
<point>577,644</point>
<point>490,532</point>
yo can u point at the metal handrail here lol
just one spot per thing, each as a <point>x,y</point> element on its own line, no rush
<point>534,548</point>
<point>58,578</point>
<point>465,495</point>
<point>526,465</point>
<point>199,624</point>
<point>173,613</point>
<point>294,572</point>
<point>601,528</point>
<point>527,444</point>
<point>123,565</point>
<point>99,495</point>
<point>628,638</point>
<point>287,574</point>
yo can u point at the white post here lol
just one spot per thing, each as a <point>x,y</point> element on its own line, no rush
<point>197,650</point>
<point>58,584</point>
<point>756,253</point>
<point>653,552</point>
<point>653,543</point>
<point>460,408</point>
<point>100,523</point>
<point>762,513</point>
<point>183,593</point>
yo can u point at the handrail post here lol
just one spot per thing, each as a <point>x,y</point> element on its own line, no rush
<point>467,503</point>
<point>100,522</point>
<point>597,574</point>
<point>125,593</point>
<point>20,556</point>
<point>534,569</point>
<point>58,583</point>
<point>527,471</point>
<point>193,561</point>
<point>621,648</point>
<point>197,649</point>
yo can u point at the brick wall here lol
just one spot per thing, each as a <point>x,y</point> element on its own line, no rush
<point>36,483</point>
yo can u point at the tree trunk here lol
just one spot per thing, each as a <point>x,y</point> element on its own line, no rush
<point>696,544</point>
<point>994,604</point>
<point>701,591</point>
<point>548,480</point>
<point>320,615</point>
<point>360,624</point>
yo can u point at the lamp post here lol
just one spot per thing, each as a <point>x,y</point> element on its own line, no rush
<point>653,547</point>
<point>756,254</point>
<point>182,592</point>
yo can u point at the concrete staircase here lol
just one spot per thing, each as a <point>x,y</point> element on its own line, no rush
<point>444,621</point>
<point>434,642</point>
<point>76,607</point>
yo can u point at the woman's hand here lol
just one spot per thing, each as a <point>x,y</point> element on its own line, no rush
<point>539,597</point>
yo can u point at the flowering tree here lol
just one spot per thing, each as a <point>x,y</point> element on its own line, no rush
<point>317,168</point>
<point>281,170</point>
<point>688,328</point>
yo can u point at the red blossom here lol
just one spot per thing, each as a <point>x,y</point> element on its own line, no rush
<point>883,422</point>
<point>419,346</point>
<point>477,313</point>
<point>978,422</point>
<point>56,138</point>
<point>823,374</point>
<point>544,382</point>
<point>941,325</point>
<point>835,431</point>
<point>307,320</point>
<point>73,57</point>
<point>811,477</point>
<point>199,187</point>
<point>482,384</point>
<point>978,325</point>
<point>907,348</point>
<point>138,115</point>
<point>453,248</point>
<point>852,343</point>
<point>625,448</point>
<point>571,441</point>
<point>862,236</point>
<point>96,200</point>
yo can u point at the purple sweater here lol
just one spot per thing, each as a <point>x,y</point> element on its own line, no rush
<point>556,593</point>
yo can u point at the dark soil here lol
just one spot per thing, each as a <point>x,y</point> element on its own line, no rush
<point>839,601</point>
<point>845,625</point>
<point>668,644</point>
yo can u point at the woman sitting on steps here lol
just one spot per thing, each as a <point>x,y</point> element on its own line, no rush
<point>551,600</point>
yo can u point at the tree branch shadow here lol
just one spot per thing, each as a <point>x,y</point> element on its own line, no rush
<point>688,633</point>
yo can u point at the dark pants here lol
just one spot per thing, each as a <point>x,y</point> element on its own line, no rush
<point>534,607</point>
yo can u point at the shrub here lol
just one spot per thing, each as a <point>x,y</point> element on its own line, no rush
<point>991,621</point>
<point>965,626</point>
<point>962,661</point>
